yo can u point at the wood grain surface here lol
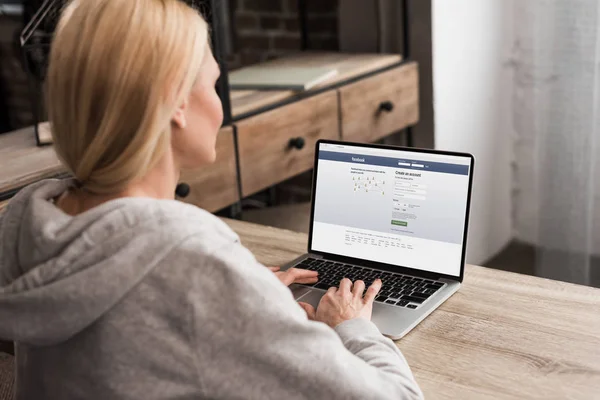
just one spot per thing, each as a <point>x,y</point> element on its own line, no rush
<point>263,140</point>
<point>3,205</point>
<point>22,162</point>
<point>362,118</point>
<point>347,65</point>
<point>245,101</point>
<point>214,186</point>
<point>502,336</point>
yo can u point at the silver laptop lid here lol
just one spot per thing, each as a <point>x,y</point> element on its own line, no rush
<point>404,208</point>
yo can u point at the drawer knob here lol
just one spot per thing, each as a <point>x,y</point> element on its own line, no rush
<point>297,143</point>
<point>182,190</point>
<point>386,106</point>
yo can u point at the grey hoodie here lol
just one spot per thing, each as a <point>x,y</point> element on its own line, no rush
<point>154,299</point>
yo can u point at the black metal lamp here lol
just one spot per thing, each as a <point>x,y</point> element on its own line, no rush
<point>35,42</point>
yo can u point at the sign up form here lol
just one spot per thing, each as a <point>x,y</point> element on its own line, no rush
<point>391,206</point>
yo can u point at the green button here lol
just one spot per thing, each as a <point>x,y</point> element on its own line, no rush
<point>399,223</point>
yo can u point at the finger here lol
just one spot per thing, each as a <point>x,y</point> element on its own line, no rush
<point>307,280</point>
<point>304,273</point>
<point>358,289</point>
<point>345,285</point>
<point>274,269</point>
<point>311,313</point>
<point>285,277</point>
<point>372,291</point>
<point>332,290</point>
<point>295,275</point>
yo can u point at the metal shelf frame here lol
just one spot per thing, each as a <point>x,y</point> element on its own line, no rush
<point>216,14</point>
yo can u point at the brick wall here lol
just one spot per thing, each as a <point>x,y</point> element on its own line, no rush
<point>265,29</point>
<point>15,97</point>
<point>261,30</point>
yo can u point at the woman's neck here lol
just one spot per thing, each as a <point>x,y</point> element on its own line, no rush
<point>159,183</point>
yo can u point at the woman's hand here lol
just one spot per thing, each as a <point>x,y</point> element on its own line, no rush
<point>345,303</point>
<point>295,275</point>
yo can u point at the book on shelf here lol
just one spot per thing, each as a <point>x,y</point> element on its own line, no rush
<point>266,77</point>
<point>44,133</point>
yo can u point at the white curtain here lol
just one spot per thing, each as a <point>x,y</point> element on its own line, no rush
<point>556,104</point>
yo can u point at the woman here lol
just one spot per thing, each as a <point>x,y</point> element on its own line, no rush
<point>111,289</point>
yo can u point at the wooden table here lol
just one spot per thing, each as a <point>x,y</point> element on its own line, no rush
<point>22,162</point>
<point>502,336</point>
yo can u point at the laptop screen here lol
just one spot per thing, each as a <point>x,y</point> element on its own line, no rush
<point>397,207</point>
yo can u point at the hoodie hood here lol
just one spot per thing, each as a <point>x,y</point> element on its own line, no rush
<point>59,273</point>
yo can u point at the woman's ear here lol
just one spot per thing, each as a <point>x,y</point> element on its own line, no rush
<point>179,118</point>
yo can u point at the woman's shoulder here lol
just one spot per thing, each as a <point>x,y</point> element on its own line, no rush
<point>174,219</point>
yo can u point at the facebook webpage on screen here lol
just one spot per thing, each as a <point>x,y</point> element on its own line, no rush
<point>390,206</point>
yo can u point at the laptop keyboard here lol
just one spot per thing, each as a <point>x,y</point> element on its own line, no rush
<point>397,289</point>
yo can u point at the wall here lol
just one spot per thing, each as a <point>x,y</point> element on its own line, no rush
<point>264,29</point>
<point>261,29</point>
<point>15,96</point>
<point>472,101</point>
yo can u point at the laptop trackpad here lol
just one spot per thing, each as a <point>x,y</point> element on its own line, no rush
<point>309,296</point>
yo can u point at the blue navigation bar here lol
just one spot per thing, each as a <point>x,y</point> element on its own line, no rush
<point>417,165</point>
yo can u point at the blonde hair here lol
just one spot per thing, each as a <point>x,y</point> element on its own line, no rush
<point>118,71</point>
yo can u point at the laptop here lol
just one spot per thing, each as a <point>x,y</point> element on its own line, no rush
<point>398,214</point>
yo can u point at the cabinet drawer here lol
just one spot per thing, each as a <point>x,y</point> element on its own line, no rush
<point>375,107</point>
<point>280,143</point>
<point>214,186</point>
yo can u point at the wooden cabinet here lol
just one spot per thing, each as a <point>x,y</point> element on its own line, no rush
<point>279,144</point>
<point>214,186</point>
<point>385,103</point>
<point>371,97</point>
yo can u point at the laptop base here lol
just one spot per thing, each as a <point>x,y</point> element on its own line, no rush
<point>393,321</point>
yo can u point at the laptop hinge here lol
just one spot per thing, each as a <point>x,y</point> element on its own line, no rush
<point>312,255</point>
